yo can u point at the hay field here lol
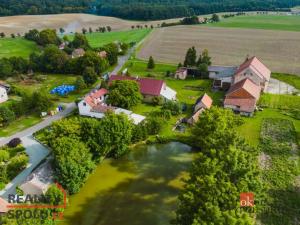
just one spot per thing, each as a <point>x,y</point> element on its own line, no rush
<point>279,50</point>
<point>70,22</point>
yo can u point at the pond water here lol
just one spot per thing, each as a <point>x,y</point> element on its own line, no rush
<point>139,189</point>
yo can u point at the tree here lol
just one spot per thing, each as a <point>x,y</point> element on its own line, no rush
<point>84,30</point>
<point>80,41</point>
<point>215,129</point>
<point>124,93</point>
<point>114,134</point>
<point>17,164</point>
<point>205,58</point>
<point>174,107</point>
<point>132,27</point>
<point>41,101</point>
<point>80,83</point>
<point>7,115</point>
<point>2,35</point>
<point>90,30</point>
<point>6,69</point>
<point>215,18</point>
<point>72,163</point>
<point>47,37</point>
<point>61,30</point>
<point>154,125</point>
<point>54,196</point>
<point>220,173</point>
<point>33,35</point>
<point>53,60</point>
<point>190,58</point>
<point>151,64</point>
<point>13,36</point>
<point>89,76</point>
<point>108,28</point>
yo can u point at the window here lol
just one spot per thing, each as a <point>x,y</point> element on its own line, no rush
<point>84,104</point>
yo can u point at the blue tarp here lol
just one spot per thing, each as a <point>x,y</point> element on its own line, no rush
<point>63,90</point>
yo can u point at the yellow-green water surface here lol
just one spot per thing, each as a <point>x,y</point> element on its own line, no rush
<point>139,189</point>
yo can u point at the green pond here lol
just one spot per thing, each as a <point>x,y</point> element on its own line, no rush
<point>139,189</point>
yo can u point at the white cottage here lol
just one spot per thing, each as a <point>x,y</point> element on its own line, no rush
<point>3,94</point>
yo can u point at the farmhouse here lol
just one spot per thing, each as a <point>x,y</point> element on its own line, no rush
<point>3,94</point>
<point>254,70</point>
<point>242,97</point>
<point>93,105</point>
<point>150,88</point>
<point>200,106</point>
<point>79,52</point>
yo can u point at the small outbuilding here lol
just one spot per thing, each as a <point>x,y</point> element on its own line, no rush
<point>3,94</point>
<point>181,73</point>
<point>79,52</point>
<point>202,103</point>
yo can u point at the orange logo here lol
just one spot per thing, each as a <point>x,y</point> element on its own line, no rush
<point>247,199</point>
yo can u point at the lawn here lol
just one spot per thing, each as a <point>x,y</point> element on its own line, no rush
<point>252,125</point>
<point>280,101</point>
<point>267,22</point>
<point>98,39</point>
<point>293,80</point>
<point>17,47</point>
<point>19,125</point>
<point>48,82</point>
<point>139,67</point>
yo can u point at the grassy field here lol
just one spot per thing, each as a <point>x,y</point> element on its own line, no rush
<point>280,101</point>
<point>48,82</point>
<point>97,39</point>
<point>293,80</point>
<point>16,47</point>
<point>227,46</point>
<point>281,167</point>
<point>252,126</point>
<point>267,22</point>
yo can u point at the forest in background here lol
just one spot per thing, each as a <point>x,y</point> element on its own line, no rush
<point>141,9</point>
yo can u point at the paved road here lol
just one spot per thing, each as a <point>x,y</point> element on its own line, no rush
<point>46,122</point>
<point>36,153</point>
<point>122,60</point>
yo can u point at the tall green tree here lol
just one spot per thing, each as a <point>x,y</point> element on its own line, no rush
<point>72,163</point>
<point>190,58</point>
<point>80,41</point>
<point>226,167</point>
<point>89,76</point>
<point>47,37</point>
<point>124,94</point>
<point>151,63</point>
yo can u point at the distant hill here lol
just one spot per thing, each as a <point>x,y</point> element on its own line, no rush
<point>140,9</point>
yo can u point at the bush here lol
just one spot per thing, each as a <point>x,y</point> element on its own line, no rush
<point>154,125</point>
<point>174,107</point>
<point>16,164</point>
<point>14,142</point>
<point>4,156</point>
<point>157,100</point>
<point>6,116</point>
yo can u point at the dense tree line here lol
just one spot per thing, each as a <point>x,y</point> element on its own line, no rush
<point>78,143</point>
<point>164,9</point>
<point>141,10</point>
<point>34,7</point>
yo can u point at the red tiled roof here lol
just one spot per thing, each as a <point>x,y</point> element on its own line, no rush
<point>90,98</point>
<point>3,206</point>
<point>102,108</point>
<point>248,85</point>
<point>205,100</point>
<point>257,66</point>
<point>148,86</point>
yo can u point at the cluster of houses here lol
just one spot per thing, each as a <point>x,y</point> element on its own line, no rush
<point>243,84</point>
<point>94,104</point>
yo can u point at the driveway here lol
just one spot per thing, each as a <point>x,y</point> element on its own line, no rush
<point>279,87</point>
<point>36,153</point>
<point>34,149</point>
<point>122,60</point>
